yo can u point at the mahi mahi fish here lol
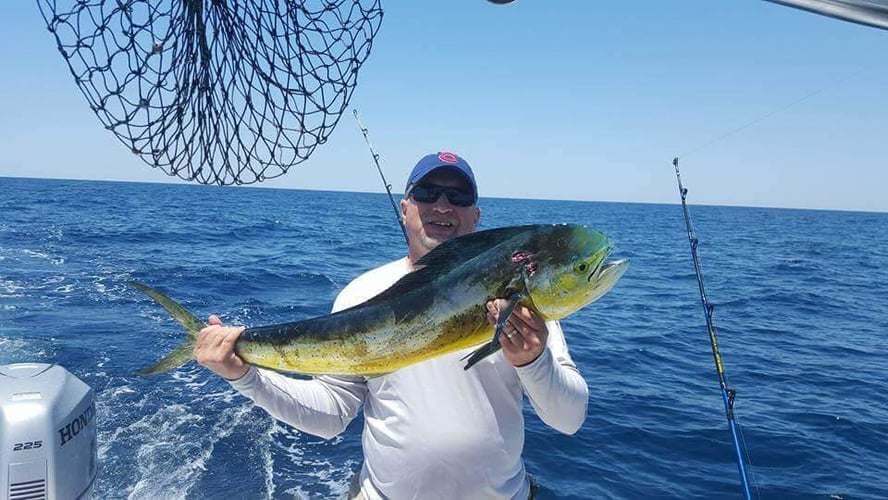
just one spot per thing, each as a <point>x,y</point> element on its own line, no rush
<point>440,308</point>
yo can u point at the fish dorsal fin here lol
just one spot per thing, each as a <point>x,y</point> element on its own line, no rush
<point>457,250</point>
<point>409,282</point>
<point>449,254</point>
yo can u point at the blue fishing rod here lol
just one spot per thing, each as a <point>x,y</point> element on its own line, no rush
<point>727,393</point>
<point>388,187</point>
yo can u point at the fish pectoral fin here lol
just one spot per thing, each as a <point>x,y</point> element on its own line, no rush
<point>482,352</point>
<point>506,312</point>
<point>491,347</point>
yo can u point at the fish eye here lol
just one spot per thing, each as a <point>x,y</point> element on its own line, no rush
<point>582,266</point>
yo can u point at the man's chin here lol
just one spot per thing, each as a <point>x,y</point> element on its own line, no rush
<point>439,233</point>
<point>432,241</point>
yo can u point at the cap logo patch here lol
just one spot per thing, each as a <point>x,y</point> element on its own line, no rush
<point>448,157</point>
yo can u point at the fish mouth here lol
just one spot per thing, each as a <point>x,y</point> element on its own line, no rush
<point>611,270</point>
<point>602,267</point>
<point>604,277</point>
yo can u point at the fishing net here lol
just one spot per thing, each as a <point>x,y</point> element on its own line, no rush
<point>216,91</point>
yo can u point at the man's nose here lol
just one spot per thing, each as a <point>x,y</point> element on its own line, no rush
<point>442,204</point>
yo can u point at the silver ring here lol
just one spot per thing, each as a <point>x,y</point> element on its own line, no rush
<point>510,335</point>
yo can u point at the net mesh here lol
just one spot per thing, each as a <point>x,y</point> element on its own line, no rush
<point>216,91</point>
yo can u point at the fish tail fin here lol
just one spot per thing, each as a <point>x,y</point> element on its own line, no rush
<point>185,352</point>
<point>180,355</point>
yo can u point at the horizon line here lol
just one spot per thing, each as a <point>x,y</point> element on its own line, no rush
<point>177,181</point>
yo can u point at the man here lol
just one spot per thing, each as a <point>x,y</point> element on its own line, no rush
<point>433,429</point>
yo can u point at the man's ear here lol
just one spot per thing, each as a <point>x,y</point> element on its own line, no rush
<point>404,207</point>
<point>477,216</point>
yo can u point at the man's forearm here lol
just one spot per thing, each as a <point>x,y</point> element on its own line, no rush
<point>320,406</point>
<point>557,392</point>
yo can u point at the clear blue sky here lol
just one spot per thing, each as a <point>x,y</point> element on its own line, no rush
<point>574,99</point>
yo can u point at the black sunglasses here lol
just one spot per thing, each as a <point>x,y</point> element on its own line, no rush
<point>427,193</point>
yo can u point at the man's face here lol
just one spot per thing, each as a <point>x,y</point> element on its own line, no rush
<point>430,224</point>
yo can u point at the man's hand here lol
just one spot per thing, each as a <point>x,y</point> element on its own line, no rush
<point>524,335</point>
<point>215,350</point>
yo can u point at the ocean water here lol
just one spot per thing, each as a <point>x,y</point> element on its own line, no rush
<point>800,298</point>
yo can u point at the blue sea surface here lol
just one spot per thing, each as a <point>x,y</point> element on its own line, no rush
<point>801,307</point>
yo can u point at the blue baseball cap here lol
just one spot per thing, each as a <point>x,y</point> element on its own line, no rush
<point>442,159</point>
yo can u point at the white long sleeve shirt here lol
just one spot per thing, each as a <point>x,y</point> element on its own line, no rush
<point>433,429</point>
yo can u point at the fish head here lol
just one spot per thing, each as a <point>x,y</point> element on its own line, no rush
<point>571,270</point>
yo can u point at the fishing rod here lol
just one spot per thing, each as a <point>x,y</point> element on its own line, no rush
<point>727,393</point>
<point>388,187</point>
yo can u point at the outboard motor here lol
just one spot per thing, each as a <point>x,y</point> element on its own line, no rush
<point>47,433</point>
